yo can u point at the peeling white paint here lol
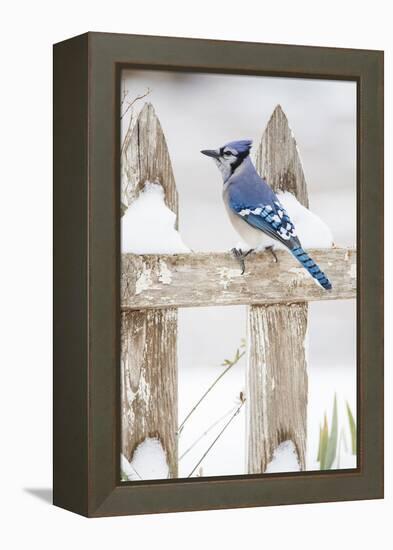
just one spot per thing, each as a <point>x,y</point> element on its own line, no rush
<point>300,272</point>
<point>226,276</point>
<point>265,416</point>
<point>306,346</point>
<point>352,271</point>
<point>130,394</point>
<point>144,390</point>
<point>165,274</point>
<point>144,280</point>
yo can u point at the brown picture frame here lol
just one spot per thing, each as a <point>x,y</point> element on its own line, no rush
<point>86,473</point>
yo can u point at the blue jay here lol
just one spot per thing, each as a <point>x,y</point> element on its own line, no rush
<point>255,210</point>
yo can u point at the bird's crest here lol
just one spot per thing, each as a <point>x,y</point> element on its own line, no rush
<point>241,146</point>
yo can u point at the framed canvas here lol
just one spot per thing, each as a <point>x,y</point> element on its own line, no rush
<point>194,370</point>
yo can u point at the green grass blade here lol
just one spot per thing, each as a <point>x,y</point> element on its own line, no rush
<point>332,442</point>
<point>319,444</point>
<point>352,428</point>
<point>323,441</point>
<point>123,476</point>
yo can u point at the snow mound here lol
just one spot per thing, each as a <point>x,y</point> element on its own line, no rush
<point>148,226</point>
<point>148,461</point>
<point>311,230</point>
<point>284,459</point>
<point>127,469</point>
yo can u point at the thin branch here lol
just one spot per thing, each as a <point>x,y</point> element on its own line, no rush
<point>131,103</point>
<point>126,137</point>
<point>207,431</point>
<point>218,437</point>
<point>123,97</point>
<point>135,470</point>
<point>230,365</point>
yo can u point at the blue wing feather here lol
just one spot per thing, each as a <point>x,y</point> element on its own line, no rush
<point>282,229</point>
<point>271,218</point>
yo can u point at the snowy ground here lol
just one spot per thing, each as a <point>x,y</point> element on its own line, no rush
<point>206,337</point>
<point>227,457</point>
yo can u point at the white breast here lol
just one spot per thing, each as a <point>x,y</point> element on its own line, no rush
<point>253,237</point>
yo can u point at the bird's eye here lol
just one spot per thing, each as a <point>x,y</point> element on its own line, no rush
<point>227,153</point>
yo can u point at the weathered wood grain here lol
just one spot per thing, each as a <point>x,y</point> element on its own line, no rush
<point>148,343</point>
<point>208,279</point>
<point>277,382</point>
<point>278,160</point>
<point>145,158</point>
<point>277,369</point>
<point>149,381</point>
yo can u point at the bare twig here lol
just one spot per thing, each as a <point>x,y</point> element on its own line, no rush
<point>131,103</point>
<point>229,364</point>
<point>217,438</point>
<point>125,140</point>
<point>207,431</point>
<point>123,96</point>
<point>135,470</point>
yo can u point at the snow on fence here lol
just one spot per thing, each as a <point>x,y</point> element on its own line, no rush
<point>154,286</point>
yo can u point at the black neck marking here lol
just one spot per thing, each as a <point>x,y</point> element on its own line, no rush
<point>239,160</point>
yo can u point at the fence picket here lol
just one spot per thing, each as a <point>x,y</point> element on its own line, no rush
<point>277,369</point>
<point>148,337</point>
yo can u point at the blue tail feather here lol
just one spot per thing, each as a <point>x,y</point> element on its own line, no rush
<point>309,264</point>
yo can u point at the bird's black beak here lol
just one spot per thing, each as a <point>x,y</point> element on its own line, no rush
<point>211,153</point>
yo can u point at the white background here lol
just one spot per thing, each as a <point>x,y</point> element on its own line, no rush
<point>28,30</point>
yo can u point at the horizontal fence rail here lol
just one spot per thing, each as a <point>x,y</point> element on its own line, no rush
<point>211,279</point>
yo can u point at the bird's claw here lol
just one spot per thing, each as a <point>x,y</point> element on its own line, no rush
<point>238,253</point>
<point>271,250</point>
<point>239,256</point>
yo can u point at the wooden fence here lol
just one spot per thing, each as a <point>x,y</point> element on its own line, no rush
<point>154,286</point>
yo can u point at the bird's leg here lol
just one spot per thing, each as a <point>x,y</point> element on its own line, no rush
<point>240,255</point>
<point>271,249</point>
